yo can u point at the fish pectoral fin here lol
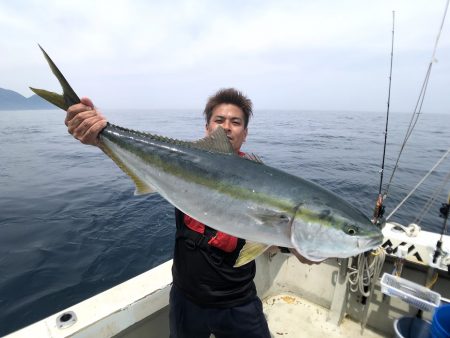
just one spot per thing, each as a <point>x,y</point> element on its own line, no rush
<point>270,218</point>
<point>142,188</point>
<point>249,252</point>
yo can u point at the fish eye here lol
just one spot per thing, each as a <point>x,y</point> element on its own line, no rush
<point>351,230</point>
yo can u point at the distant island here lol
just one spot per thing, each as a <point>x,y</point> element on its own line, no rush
<point>11,100</point>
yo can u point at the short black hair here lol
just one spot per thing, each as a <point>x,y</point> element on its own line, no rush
<point>230,96</point>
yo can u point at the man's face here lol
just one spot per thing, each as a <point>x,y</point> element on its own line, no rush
<point>231,119</point>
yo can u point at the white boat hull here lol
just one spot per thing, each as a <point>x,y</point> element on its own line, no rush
<point>139,307</point>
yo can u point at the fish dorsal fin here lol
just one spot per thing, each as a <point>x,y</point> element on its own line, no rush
<point>253,157</point>
<point>217,142</point>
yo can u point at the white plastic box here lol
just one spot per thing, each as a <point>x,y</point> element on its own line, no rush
<point>410,292</point>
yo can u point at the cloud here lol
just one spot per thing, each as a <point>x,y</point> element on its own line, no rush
<point>286,54</point>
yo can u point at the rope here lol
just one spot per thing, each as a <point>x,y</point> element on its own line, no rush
<point>365,273</point>
<point>418,184</point>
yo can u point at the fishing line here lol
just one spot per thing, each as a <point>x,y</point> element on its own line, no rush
<point>418,108</point>
<point>431,200</point>
<point>418,184</point>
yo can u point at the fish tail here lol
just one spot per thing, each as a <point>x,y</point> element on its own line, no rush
<point>68,98</point>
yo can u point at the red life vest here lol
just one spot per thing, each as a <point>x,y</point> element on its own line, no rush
<point>220,240</point>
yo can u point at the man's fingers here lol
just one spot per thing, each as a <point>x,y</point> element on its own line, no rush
<point>82,127</point>
<point>84,122</point>
<point>303,259</point>
<point>87,101</point>
<point>80,118</point>
<point>85,105</point>
<point>87,131</point>
<point>91,135</point>
<point>75,110</point>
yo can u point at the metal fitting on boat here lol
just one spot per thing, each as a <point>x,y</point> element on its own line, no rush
<point>66,319</point>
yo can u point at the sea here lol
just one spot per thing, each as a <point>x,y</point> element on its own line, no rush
<point>71,227</point>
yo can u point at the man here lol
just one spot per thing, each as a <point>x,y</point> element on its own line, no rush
<point>208,295</point>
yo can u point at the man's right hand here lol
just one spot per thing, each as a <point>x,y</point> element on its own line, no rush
<point>85,122</point>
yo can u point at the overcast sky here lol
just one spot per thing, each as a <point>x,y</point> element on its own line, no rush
<point>320,55</point>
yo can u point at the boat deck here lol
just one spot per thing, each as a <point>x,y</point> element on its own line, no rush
<point>291,316</point>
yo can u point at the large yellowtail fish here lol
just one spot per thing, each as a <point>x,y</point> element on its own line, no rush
<point>239,196</point>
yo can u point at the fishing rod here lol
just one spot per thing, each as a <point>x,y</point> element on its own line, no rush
<point>439,253</point>
<point>378,259</point>
<point>379,207</point>
<point>418,108</point>
<point>443,212</point>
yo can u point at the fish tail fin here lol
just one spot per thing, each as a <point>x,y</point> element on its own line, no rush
<point>53,98</point>
<point>249,252</point>
<point>64,101</point>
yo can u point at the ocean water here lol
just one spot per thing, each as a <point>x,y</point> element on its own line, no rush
<point>70,226</point>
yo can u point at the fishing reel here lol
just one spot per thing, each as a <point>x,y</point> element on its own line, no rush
<point>378,212</point>
<point>444,209</point>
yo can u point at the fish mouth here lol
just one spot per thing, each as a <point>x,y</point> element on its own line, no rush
<point>370,243</point>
